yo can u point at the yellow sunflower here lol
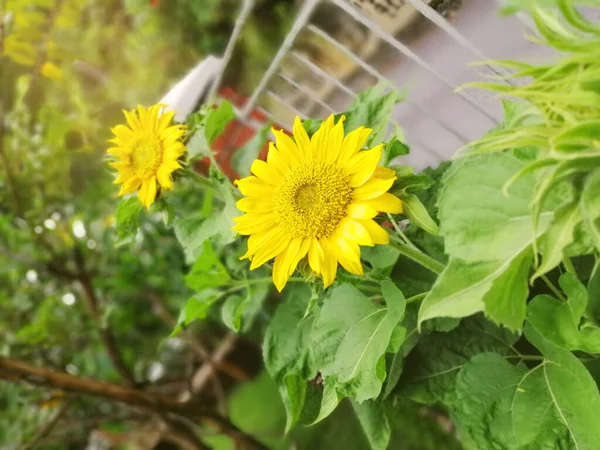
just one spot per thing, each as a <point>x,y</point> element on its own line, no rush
<point>147,152</point>
<point>315,197</point>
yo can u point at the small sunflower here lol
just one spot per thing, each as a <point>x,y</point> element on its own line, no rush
<point>147,152</point>
<point>315,197</point>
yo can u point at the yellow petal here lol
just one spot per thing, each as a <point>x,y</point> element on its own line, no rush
<point>119,152</point>
<point>253,187</point>
<point>283,263</point>
<point>147,192</point>
<point>164,121</point>
<point>271,246</point>
<point>302,139</point>
<point>302,251</point>
<point>320,139</point>
<point>353,230</point>
<point>373,188</point>
<point>130,186</point>
<point>254,223</point>
<point>121,166</point>
<point>164,177</point>
<point>133,121</point>
<point>123,133</point>
<point>125,175</point>
<point>377,232</point>
<point>265,172</point>
<point>276,161</point>
<point>288,148</point>
<point>362,165</point>
<point>255,204</point>
<point>385,203</point>
<point>361,211</point>
<point>329,263</point>
<point>347,253</point>
<point>353,143</point>
<point>315,256</point>
<point>384,172</point>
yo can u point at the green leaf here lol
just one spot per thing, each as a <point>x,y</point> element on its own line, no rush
<point>417,214</point>
<point>372,109</point>
<point>484,391</point>
<point>590,206</point>
<point>244,157</point>
<point>511,110</point>
<point>394,148</point>
<point>502,406</point>
<point>463,289</point>
<point>198,145</point>
<point>217,120</point>
<point>593,289</point>
<point>505,302</point>
<point>373,419</point>
<point>293,393</point>
<point>561,322</point>
<point>127,215</point>
<point>394,299</point>
<point>207,271</point>
<point>195,308</point>
<point>558,236</point>
<point>238,313</point>
<point>350,338</point>
<point>265,424</point>
<point>431,368</point>
<point>477,220</point>
<point>286,347</point>
<point>570,393</point>
<point>329,400</point>
<point>193,231</point>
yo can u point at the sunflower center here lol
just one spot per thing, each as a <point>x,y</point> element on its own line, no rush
<point>146,157</point>
<point>312,199</point>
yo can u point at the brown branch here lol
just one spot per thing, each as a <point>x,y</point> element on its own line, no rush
<point>46,429</point>
<point>15,370</point>
<point>85,280</point>
<point>160,309</point>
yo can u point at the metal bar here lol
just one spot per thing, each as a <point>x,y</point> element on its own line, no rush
<point>374,72</point>
<point>440,21</point>
<point>342,4</point>
<point>323,74</point>
<point>247,8</point>
<point>306,92</point>
<point>283,102</point>
<point>303,15</point>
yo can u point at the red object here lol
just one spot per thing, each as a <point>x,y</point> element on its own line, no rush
<point>237,134</point>
<point>155,3</point>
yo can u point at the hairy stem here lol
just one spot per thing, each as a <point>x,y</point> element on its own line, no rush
<point>419,257</point>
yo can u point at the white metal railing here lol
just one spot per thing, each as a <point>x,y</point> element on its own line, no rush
<point>302,23</point>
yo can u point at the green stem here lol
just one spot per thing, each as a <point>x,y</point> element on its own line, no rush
<point>203,182</point>
<point>553,288</point>
<point>419,257</point>
<point>569,265</point>
<point>526,357</point>
<point>416,298</point>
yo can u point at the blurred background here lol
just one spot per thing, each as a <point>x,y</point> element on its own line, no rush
<point>76,303</point>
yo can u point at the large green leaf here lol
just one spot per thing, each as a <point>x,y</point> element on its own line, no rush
<point>557,237</point>
<point>207,271</point>
<point>502,406</point>
<point>286,347</point>
<point>373,419</point>
<point>498,287</point>
<point>350,338</point>
<point>431,368</point>
<point>561,322</point>
<point>127,215</point>
<point>195,308</point>
<point>194,230</point>
<point>217,120</point>
<point>571,394</point>
<point>477,220</point>
<point>590,206</point>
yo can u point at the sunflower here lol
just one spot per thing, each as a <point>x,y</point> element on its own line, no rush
<point>147,152</point>
<point>315,197</point>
